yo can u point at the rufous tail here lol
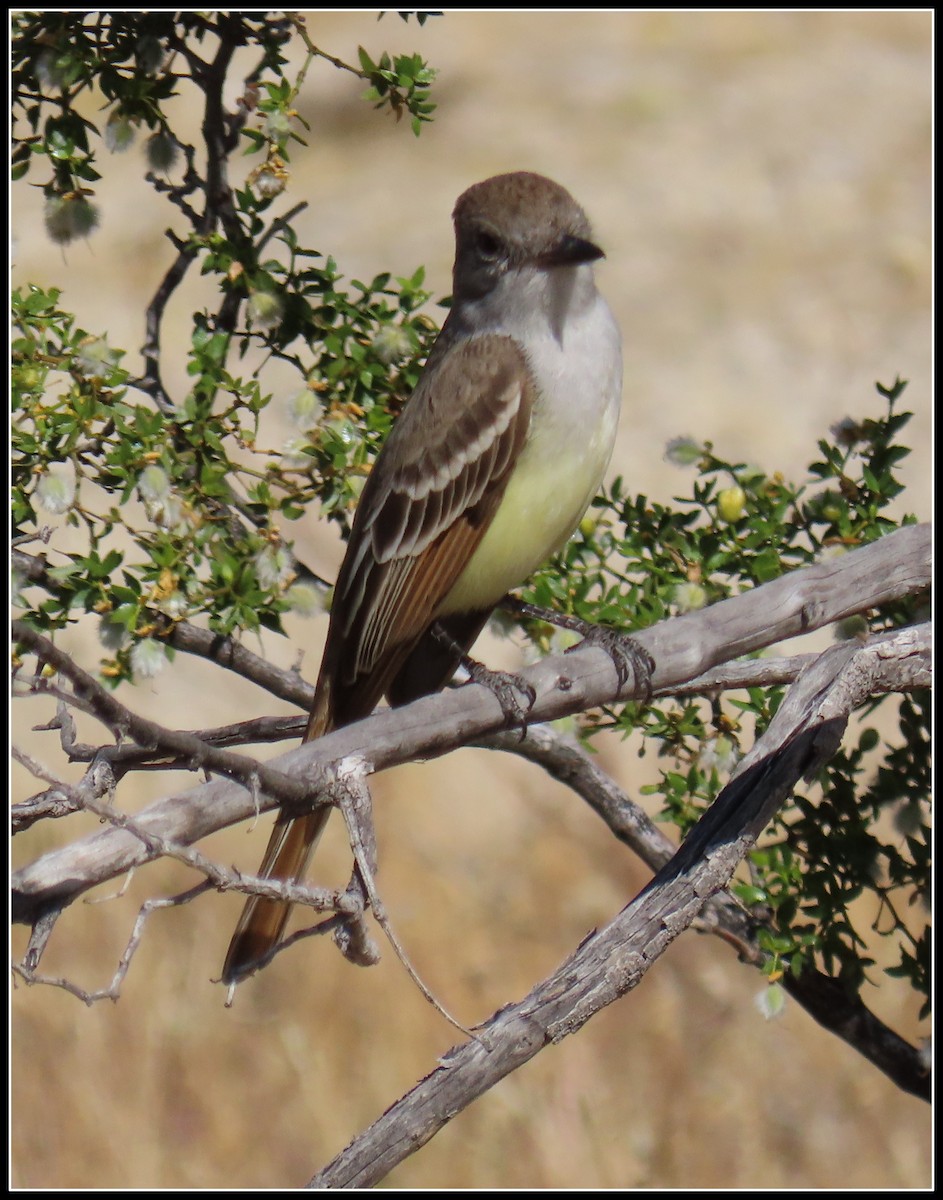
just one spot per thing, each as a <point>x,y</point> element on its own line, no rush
<point>287,857</point>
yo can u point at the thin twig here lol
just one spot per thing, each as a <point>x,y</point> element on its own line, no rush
<point>149,734</point>
<point>29,975</point>
<point>353,799</point>
<point>191,639</point>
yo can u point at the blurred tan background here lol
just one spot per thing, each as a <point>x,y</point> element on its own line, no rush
<point>761,183</point>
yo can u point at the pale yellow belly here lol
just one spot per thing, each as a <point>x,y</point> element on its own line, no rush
<point>547,495</point>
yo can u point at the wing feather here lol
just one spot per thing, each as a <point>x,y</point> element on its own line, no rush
<point>428,502</point>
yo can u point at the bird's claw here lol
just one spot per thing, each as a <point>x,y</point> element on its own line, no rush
<point>628,657</point>
<point>506,688</point>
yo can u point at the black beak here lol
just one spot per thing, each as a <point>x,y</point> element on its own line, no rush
<point>570,251</point>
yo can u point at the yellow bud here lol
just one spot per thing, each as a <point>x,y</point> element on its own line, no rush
<point>731,504</point>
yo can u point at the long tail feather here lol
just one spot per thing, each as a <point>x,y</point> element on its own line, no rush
<point>287,857</point>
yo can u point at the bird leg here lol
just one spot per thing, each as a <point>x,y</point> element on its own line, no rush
<point>506,687</point>
<point>628,657</point>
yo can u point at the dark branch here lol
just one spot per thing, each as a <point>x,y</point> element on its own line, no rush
<point>830,1004</point>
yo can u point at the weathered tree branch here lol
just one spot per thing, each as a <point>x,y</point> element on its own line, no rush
<point>683,648</point>
<point>804,733</point>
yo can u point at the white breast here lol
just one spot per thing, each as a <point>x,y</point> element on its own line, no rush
<point>575,355</point>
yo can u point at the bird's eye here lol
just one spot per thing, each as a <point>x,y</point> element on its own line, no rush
<point>487,245</point>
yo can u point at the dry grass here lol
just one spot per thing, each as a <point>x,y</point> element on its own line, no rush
<point>761,183</point>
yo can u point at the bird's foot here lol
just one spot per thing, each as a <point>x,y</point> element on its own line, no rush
<point>628,657</point>
<point>513,693</point>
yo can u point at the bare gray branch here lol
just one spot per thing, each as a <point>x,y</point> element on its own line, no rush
<point>683,648</point>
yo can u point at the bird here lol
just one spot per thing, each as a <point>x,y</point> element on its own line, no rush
<point>485,474</point>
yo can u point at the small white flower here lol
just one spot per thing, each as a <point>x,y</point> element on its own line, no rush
<point>277,126</point>
<point>293,454</point>
<point>305,409</point>
<point>878,868</point>
<point>111,633</point>
<point>558,641</point>
<point>339,427</point>
<point>751,474</point>
<point>150,53</point>
<point>95,358</point>
<point>119,133</point>
<point>52,69</point>
<point>274,566</point>
<point>162,151</point>
<point>771,1001</point>
<point>847,432</point>
<point>855,626</point>
<point>173,606</point>
<point>689,597</point>
<point>265,309</point>
<point>501,623</point>
<point>147,658</point>
<point>55,493</point>
<point>69,217</point>
<point>162,504</point>
<point>170,514</point>
<point>153,484</point>
<point>305,599</point>
<point>391,344</point>
<point>908,817</point>
<point>18,581</point>
<point>683,451</point>
<point>269,183</point>
<point>721,755</point>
